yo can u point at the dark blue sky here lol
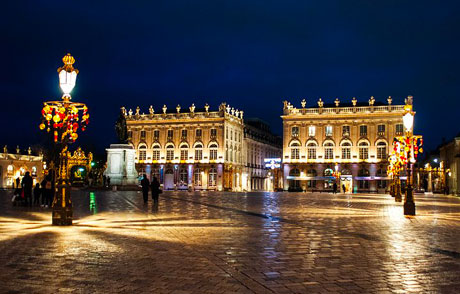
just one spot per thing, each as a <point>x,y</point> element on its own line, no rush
<point>252,54</point>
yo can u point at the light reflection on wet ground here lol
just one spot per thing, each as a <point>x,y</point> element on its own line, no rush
<point>232,242</point>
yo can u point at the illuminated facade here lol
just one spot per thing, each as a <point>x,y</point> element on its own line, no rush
<point>259,143</point>
<point>195,149</point>
<point>15,165</point>
<point>347,142</point>
<point>450,156</point>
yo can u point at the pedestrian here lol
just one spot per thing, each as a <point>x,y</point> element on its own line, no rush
<point>343,188</point>
<point>334,188</point>
<point>47,191</point>
<point>37,193</point>
<point>108,182</point>
<point>155,186</point>
<point>104,180</point>
<point>145,188</point>
<point>26,185</point>
<point>17,182</point>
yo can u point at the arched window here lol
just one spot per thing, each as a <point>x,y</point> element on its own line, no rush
<point>382,150</point>
<point>34,171</point>
<point>213,151</point>
<point>183,177</point>
<point>142,151</point>
<point>363,184</point>
<point>156,152</point>
<point>295,172</point>
<point>346,150</point>
<point>197,177</point>
<point>329,150</point>
<point>311,150</point>
<point>295,150</point>
<point>198,151</point>
<point>184,151</point>
<point>170,152</point>
<point>363,150</point>
<point>212,177</point>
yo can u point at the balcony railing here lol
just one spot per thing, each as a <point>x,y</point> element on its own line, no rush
<point>345,110</point>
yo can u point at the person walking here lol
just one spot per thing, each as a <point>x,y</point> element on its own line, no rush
<point>18,181</point>
<point>26,185</point>
<point>334,188</point>
<point>46,191</point>
<point>344,188</point>
<point>145,188</point>
<point>155,186</point>
<point>37,193</point>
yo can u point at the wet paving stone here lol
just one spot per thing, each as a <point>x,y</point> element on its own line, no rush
<point>222,242</point>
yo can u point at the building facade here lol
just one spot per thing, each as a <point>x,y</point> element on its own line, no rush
<point>259,143</point>
<point>346,143</point>
<point>14,165</point>
<point>450,157</point>
<point>195,149</point>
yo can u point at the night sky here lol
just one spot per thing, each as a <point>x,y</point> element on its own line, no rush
<point>252,54</point>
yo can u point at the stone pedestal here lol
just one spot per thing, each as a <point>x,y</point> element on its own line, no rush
<point>120,165</point>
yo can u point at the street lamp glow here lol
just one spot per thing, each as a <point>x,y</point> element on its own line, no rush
<point>408,121</point>
<point>67,75</point>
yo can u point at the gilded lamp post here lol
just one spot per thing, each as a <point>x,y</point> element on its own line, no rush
<point>411,145</point>
<point>63,119</point>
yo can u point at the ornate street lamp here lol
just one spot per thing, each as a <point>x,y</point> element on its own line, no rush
<point>63,119</point>
<point>412,146</point>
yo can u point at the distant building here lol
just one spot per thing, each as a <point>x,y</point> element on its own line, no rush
<point>450,156</point>
<point>347,139</point>
<point>15,164</point>
<point>259,143</point>
<point>196,149</point>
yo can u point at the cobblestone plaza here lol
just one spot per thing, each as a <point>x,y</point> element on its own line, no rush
<point>222,242</point>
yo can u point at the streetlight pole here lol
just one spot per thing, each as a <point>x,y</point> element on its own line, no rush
<point>63,118</point>
<point>411,148</point>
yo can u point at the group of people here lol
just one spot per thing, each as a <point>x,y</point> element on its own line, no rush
<point>42,193</point>
<point>154,186</point>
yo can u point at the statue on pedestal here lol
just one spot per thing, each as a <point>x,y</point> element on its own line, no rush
<point>121,128</point>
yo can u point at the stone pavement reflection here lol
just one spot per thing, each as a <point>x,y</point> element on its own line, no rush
<point>232,243</point>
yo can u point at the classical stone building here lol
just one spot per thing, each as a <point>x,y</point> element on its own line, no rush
<point>195,149</point>
<point>259,143</point>
<point>15,164</point>
<point>450,157</point>
<point>350,140</point>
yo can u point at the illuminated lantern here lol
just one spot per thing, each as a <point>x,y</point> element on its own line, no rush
<point>67,75</point>
<point>42,126</point>
<point>49,116</point>
<point>56,118</point>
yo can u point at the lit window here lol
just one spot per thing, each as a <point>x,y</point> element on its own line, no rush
<point>170,152</point>
<point>295,150</point>
<point>381,130</point>
<point>212,177</point>
<point>142,152</point>
<point>170,134</point>
<point>156,134</point>
<point>183,177</point>
<point>328,151</point>
<point>311,150</point>
<point>363,150</point>
<point>184,134</point>
<point>328,131</point>
<point>197,177</point>
<point>198,152</point>
<point>381,150</point>
<point>346,150</point>
<point>213,152</point>
<point>183,152</point>
<point>311,131</point>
